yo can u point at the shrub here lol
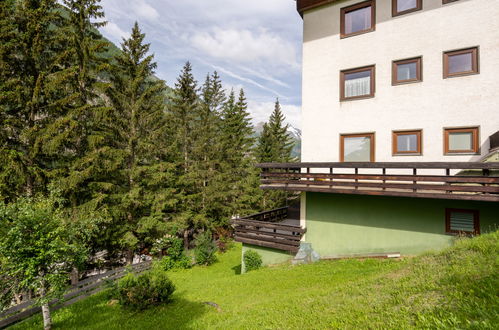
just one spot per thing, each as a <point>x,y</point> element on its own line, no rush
<point>143,291</point>
<point>252,260</point>
<point>205,249</point>
<point>168,263</point>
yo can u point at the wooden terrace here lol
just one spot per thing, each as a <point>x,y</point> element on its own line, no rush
<point>272,229</point>
<point>460,181</point>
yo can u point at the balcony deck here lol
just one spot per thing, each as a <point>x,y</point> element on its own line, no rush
<point>459,180</point>
<point>272,229</point>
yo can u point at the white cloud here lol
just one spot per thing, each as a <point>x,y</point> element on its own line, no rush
<point>144,10</point>
<point>114,32</point>
<point>245,46</point>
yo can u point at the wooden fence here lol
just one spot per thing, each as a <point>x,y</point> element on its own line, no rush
<point>83,289</point>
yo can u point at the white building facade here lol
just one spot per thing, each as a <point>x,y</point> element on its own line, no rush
<point>399,81</point>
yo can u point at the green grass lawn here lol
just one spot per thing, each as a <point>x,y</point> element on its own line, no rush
<point>455,288</point>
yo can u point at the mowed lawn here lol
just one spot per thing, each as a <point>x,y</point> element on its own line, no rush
<point>455,288</point>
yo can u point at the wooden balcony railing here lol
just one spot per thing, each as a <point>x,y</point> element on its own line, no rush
<point>463,181</point>
<point>270,216</point>
<point>268,234</point>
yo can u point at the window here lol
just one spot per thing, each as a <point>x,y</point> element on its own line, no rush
<point>406,142</point>
<point>461,62</point>
<point>461,140</point>
<point>357,83</point>
<point>458,221</point>
<point>406,71</point>
<point>357,19</point>
<point>357,147</point>
<point>401,7</point>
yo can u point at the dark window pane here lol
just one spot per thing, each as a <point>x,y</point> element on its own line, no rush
<point>407,143</point>
<point>403,5</point>
<point>358,20</point>
<point>461,63</point>
<point>407,71</point>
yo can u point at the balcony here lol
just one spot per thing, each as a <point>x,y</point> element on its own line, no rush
<point>271,229</point>
<point>459,181</point>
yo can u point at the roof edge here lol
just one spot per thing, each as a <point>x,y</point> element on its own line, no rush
<point>304,5</point>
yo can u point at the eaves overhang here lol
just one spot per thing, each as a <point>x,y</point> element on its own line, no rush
<point>304,5</point>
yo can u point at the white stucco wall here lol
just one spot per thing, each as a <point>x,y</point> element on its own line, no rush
<point>430,105</point>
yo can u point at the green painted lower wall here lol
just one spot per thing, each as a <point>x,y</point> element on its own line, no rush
<point>339,225</point>
<point>269,256</point>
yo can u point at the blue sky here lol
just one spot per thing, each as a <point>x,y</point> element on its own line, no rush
<point>253,44</point>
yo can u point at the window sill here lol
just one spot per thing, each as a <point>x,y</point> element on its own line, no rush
<point>344,36</point>
<point>408,154</point>
<point>355,98</point>
<point>455,75</point>
<point>406,82</point>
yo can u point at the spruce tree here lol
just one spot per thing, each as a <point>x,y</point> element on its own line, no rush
<point>29,47</point>
<point>238,161</point>
<point>183,119</point>
<point>140,176</point>
<point>275,145</point>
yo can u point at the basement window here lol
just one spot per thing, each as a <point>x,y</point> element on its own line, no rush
<point>357,19</point>
<point>462,221</point>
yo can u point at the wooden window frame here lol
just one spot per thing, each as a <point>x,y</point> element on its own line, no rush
<point>475,62</point>
<point>448,1</point>
<point>418,152</point>
<point>371,68</point>
<point>372,136</point>
<point>476,138</point>
<point>476,221</point>
<point>395,12</point>
<point>345,10</point>
<point>419,71</point>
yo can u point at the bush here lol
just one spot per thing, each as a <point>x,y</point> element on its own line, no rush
<point>140,292</point>
<point>205,249</point>
<point>167,263</point>
<point>252,260</point>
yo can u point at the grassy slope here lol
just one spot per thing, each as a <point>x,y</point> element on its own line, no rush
<point>454,288</point>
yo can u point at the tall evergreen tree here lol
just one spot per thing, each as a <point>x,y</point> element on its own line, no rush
<point>237,142</point>
<point>275,145</point>
<point>141,176</point>
<point>30,92</point>
<point>183,119</point>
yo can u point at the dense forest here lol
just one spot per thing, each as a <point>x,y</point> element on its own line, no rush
<point>109,156</point>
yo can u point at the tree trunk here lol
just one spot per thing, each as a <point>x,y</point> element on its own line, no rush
<point>129,257</point>
<point>47,321</point>
<point>186,239</point>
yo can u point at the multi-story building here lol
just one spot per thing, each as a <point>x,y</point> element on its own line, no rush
<point>400,119</point>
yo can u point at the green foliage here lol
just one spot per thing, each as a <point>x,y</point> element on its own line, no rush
<point>252,260</point>
<point>204,252</point>
<point>145,290</point>
<point>37,250</point>
<point>454,289</point>
<point>174,257</point>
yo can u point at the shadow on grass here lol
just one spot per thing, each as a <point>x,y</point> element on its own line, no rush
<point>237,269</point>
